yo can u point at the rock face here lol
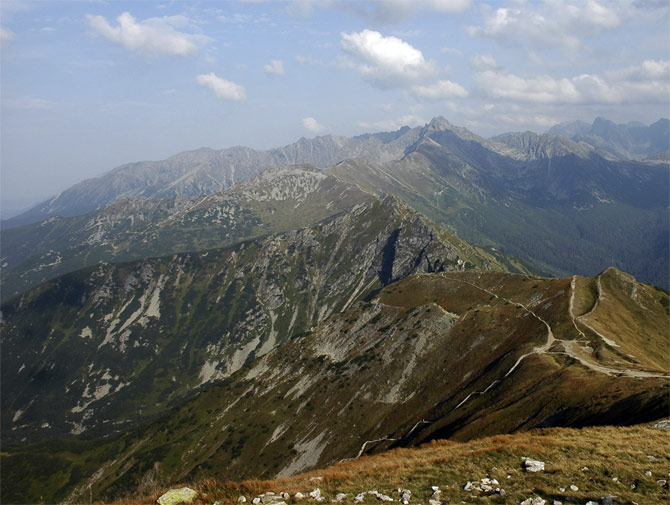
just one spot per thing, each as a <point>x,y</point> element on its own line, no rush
<point>528,194</point>
<point>104,347</point>
<point>278,200</point>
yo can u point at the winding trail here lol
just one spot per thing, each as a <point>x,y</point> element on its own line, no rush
<point>570,346</point>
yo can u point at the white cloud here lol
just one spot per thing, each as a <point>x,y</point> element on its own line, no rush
<point>393,11</point>
<point>410,120</point>
<point>154,35</point>
<point>6,35</point>
<point>451,50</point>
<point>483,62</point>
<point>550,23</point>
<point>440,90</point>
<point>644,83</point>
<point>226,90</point>
<point>307,60</point>
<point>28,102</point>
<point>275,67</point>
<point>386,61</point>
<point>312,125</point>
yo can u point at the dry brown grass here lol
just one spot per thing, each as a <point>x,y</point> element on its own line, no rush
<point>608,452</point>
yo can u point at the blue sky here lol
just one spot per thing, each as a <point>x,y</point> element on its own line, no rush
<point>87,86</point>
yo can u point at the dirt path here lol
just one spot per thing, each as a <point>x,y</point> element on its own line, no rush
<point>571,347</point>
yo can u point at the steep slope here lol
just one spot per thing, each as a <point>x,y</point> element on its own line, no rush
<point>278,200</point>
<point>108,346</point>
<point>629,141</point>
<point>553,203</point>
<point>206,171</point>
<point>457,354</point>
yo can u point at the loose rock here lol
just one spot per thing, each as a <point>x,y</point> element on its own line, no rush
<point>533,501</point>
<point>532,465</point>
<point>178,496</point>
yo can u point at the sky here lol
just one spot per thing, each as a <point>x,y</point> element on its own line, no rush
<point>86,86</point>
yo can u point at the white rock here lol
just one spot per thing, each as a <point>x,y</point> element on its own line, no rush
<point>561,489</point>
<point>298,496</point>
<point>256,501</point>
<point>285,496</point>
<point>556,502</point>
<point>175,496</point>
<point>573,487</point>
<point>359,498</point>
<point>434,502</point>
<point>242,499</point>
<point>591,503</point>
<point>532,465</point>
<point>533,501</point>
<point>648,473</point>
<point>468,486</point>
<point>585,468</point>
<point>435,488</point>
<point>340,496</point>
<point>315,494</point>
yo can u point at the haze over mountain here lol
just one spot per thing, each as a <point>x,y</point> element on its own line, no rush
<point>206,171</point>
<point>556,204</point>
<point>629,141</point>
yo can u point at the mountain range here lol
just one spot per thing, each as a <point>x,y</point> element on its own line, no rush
<point>223,314</point>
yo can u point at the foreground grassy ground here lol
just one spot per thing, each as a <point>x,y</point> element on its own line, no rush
<point>628,463</point>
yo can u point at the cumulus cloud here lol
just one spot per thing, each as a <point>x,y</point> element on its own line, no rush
<point>225,90</point>
<point>644,83</point>
<point>312,125</point>
<point>440,90</point>
<point>275,67</point>
<point>550,23</point>
<point>154,35</point>
<point>386,61</point>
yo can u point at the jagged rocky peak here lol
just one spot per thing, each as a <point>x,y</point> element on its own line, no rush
<point>530,145</point>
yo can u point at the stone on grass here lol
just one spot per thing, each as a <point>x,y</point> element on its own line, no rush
<point>532,465</point>
<point>533,501</point>
<point>298,496</point>
<point>662,425</point>
<point>178,496</point>
<point>242,499</point>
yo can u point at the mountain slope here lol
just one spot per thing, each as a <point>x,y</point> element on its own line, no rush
<point>205,171</point>
<point>630,141</point>
<point>106,347</point>
<point>458,355</point>
<point>278,200</point>
<point>553,203</point>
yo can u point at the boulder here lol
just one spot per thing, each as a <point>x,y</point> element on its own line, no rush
<point>180,496</point>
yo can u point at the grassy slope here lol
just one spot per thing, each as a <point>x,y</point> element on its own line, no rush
<point>608,453</point>
<point>334,385</point>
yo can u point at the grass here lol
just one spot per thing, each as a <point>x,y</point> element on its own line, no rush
<point>589,458</point>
